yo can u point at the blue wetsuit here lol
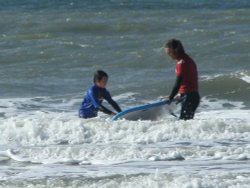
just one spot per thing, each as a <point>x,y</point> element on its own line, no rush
<point>92,102</point>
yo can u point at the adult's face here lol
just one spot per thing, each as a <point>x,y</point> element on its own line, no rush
<point>170,53</point>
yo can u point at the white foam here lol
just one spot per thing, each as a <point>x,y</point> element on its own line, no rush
<point>115,179</point>
<point>102,149</point>
<point>164,157</point>
<point>239,74</point>
<point>210,77</point>
<point>213,104</point>
<point>245,77</point>
<point>53,133</point>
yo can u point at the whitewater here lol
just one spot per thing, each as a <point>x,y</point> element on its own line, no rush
<point>57,149</point>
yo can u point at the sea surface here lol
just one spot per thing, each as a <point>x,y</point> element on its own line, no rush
<point>49,50</point>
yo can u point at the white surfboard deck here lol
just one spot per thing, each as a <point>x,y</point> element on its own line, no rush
<point>145,112</point>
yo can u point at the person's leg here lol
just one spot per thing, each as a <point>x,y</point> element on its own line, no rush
<point>186,110</point>
<point>195,101</point>
<point>87,113</point>
<point>189,105</point>
<point>184,107</point>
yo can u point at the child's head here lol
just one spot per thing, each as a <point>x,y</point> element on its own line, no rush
<point>101,78</point>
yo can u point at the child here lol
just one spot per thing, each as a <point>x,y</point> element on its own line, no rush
<point>92,102</point>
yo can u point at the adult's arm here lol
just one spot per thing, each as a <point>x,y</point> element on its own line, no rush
<point>176,87</point>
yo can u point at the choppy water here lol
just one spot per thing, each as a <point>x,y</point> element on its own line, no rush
<point>49,51</point>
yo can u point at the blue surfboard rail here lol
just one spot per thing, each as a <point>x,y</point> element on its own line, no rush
<point>139,108</point>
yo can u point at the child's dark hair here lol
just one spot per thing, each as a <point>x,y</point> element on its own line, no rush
<point>176,46</point>
<point>99,74</point>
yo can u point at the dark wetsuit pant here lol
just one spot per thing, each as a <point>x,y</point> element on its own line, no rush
<point>190,102</point>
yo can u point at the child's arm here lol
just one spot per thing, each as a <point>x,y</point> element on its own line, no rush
<point>105,110</point>
<point>112,102</point>
<point>97,104</point>
<point>115,105</point>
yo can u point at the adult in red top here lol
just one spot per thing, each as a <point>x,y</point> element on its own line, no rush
<point>186,84</point>
<point>187,69</point>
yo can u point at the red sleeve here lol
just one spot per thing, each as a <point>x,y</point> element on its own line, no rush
<point>178,69</point>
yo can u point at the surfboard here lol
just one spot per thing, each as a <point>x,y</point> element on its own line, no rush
<point>144,112</point>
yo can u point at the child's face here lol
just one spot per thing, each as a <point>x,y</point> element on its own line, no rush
<point>102,83</point>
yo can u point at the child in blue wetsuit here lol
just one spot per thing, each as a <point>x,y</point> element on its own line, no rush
<point>92,102</point>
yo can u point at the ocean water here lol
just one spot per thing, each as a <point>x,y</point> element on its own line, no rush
<point>48,53</point>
